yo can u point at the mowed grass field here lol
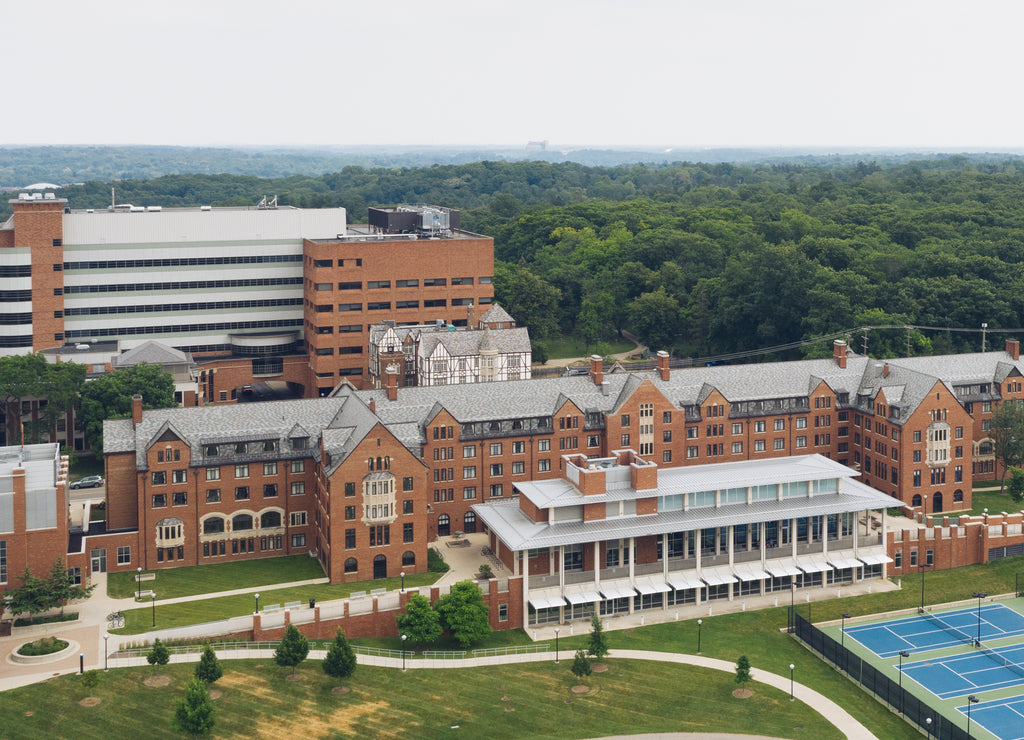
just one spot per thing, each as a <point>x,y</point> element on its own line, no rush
<point>522,701</point>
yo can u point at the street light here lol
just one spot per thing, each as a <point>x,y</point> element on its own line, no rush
<point>105,652</point>
<point>791,667</point>
<point>403,651</point>
<point>699,623</point>
<point>928,724</point>
<point>153,598</point>
<point>403,580</point>
<point>556,645</point>
<point>972,699</point>
<point>842,637</point>
<point>138,578</point>
<point>922,566</point>
<point>257,601</point>
<point>979,596</point>
<point>903,654</point>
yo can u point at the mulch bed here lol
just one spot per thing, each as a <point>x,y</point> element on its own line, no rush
<point>158,682</point>
<point>581,689</point>
<point>340,690</point>
<point>90,701</point>
<point>599,667</point>
<point>216,694</point>
<point>295,677</point>
<point>743,693</point>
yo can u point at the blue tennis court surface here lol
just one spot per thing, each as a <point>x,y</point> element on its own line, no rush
<point>1002,717</point>
<point>944,629</point>
<point>969,673</point>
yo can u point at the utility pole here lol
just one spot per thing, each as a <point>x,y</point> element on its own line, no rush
<point>908,341</point>
<point>865,341</point>
<point>983,328</point>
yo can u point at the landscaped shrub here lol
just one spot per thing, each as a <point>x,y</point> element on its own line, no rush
<point>43,646</point>
<point>435,563</point>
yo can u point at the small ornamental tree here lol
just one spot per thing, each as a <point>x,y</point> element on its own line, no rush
<point>31,598</point>
<point>194,714</point>
<point>158,654</point>
<point>90,680</point>
<point>61,587</point>
<point>293,649</point>
<point>420,623</point>
<point>340,661</point>
<point>598,647</point>
<point>743,671</point>
<point>208,669</point>
<point>464,613</point>
<point>581,665</point>
<point>1016,485</point>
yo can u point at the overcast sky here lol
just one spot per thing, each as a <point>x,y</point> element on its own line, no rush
<point>871,73</point>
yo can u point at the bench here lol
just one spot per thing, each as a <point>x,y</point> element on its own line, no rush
<point>293,605</point>
<point>378,591</point>
<point>146,594</point>
<point>272,608</point>
<point>357,595</point>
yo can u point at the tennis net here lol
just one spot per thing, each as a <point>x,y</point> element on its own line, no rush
<point>948,628</point>
<point>1000,659</point>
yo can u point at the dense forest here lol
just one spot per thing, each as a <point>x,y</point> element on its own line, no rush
<point>707,259</point>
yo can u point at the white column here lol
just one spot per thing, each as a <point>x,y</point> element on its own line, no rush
<point>597,564</point>
<point>561,582</point>
<point>664,556</point>
<point>526,588</point>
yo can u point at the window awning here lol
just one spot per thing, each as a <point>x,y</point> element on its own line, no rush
<point>717,576</point>
<point>618,589</point>
<point>751,573</point>
<point>583,597</point>
<point>546,598</point>
<point>781,570</point>
<point>813,566</point>
<point>844,563</point>
<point>682,582</point>
<point>875,559</point>
<point>652,586</point>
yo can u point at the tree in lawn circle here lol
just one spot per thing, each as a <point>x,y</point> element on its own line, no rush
<point>293,649</point>
<point>194,714</point>
<point>581,665</point>
<point>208,669</point>
<point>598,647</point>
<point>340,661</point>
<point>90,680</point>
<point>464,614</point>
<point>158,654</point>
<point>743,676</point>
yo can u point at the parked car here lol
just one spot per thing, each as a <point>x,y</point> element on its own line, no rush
<point>89,481</point>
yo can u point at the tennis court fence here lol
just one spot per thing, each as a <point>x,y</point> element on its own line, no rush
<point>872,680</point>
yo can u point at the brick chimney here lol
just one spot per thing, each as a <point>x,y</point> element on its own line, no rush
<point>391,382</point>
<point>597,369</point>
<point>373,406</point>
<point>663,364</point>
<point>839,352</point>
<point>885,370</point>
<point>136,410</point>
<point>470,310</point>
<point>1013,348</point>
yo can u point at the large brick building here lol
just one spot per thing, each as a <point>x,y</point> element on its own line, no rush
<point>260,293</point>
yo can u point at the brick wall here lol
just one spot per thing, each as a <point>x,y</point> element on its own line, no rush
<point>969,542</point>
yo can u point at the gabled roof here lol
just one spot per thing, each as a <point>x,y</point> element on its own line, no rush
<point>153,353</point>
<point>493,315</point>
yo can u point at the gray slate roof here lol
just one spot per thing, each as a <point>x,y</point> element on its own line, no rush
<point>153,353</point>
<point>494,314</point>
<point>470,343</point>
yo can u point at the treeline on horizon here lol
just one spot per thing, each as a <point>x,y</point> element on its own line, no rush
<point>706,259</point>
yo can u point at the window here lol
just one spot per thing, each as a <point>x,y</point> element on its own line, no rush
<point>692,452</point>
<point>298,466</point>
<point>496,469</point>
<point>469,493</point>
<point>780,444</point>
<point>407,532</point>
<point>350,513</point>
<point>495,448</point>
<point>502,612</point>
<point>959,432</point>
<point>625,420</point>
<point>407,283</point>
<point>760,426</point>
<point>544,445</point>
<point>469,472</point>
<point>350,488</point>
<point>350,539</point>
<point>958,474</point>
<point>758,445</point>
<point>3,561</point>
<point>159,500</point>
<point>625,440</point>
<point>917,479</point>
<point>270,468</point>
<point>180,498</point>
<point>495,490</point>
<point>241,471</point>
<point>897,560</point>
<point>780,425</point>
<point>666,456</point>
<point>593,440</point>
<point>666,435</point>
<point>213,474</point>
<point>242,493</point>
<point>518,468</point>
<point>469,451</point>
<point>159,478</point>
<point>917,436</point>
<point>297,519</point>
<point>213,495</point>
<point>913,558</point>
<point>518,448</point>
<point>298,488</point>
<point>298,540</point>
<point>179,476</point>
<point>692,433</point>
<point>543,466</point>
<point>269,490</point>
<point>929,557</point>
<point>124,555</point>
<point>377,284</point>
<point>737,448</point>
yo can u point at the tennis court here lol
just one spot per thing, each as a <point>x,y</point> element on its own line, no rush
<point>1004,718</point>
<point>985,669</point>
<point>930,631</point>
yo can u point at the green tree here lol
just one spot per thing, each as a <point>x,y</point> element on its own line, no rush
<point>19,379</point>
<point>1016,485</point>
<point>158,654</point>
<point>62,587</point>
<point>194,714</point>
<point>420,623</point>
<point>464,614</point>
<point>293,649</point>
<point>743,671</point>
<point>1007,435</point>
<point>654,318</point>
<point>110,397</point>
<point>581,665</point>
<point>208,669</point>
<point>340,661</point>
<point>598,647</point>
<point>90,680</point>
<point>531,301</point>
<point>32,597</point>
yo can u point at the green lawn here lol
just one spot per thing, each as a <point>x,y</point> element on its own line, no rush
<point>203,579</point>
<point>524,701</point>
<point>992,500</point>
<point>560,347</point>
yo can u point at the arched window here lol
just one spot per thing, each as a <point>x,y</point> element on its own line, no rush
<point>351,565</point>
<point>469,522</point>
<point>443,525</point>
<point>213,525</point>
<point>958,496</point>
<point>408,558</point>
<point>916,501</point>
<point>240,522</point>
<point>270,519</point>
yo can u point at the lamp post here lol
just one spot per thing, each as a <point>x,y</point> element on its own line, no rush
<point>403,651</point>
<point>138,579</point>
<point>403,580</point>
<point>105,652</point>
<point>922,566</point>
<point>903,654</point>
<point>257,601</point>
<point>699,623</point>
<point>791,696</point>
<point>928,724</point>
<point>979,596</point>
<point>153,599</point>
<point>972,699</point>
<point>556,645</point>
<point>842,638</point>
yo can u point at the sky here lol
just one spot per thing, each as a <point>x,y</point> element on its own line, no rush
<point>652,73</point>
